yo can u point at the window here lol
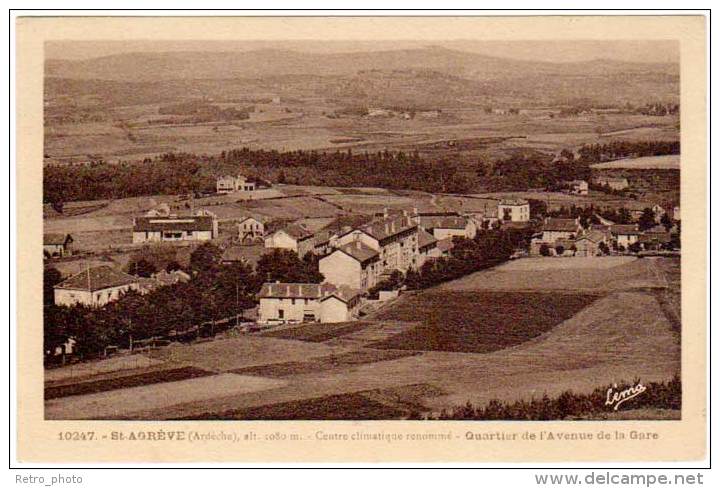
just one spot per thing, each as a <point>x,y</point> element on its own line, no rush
<point>281,313</point>
<point>292,301</point>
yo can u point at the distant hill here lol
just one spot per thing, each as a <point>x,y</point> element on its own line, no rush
<point>273,62</point>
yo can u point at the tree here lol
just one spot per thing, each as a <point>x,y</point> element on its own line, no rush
<point>544,250</point>
<point>559,250</point>
<point>284,265</point>
<point>141,268</point>
<point>666,221</point>
<point>647,219</point>
<point>51,277</point>
<point>634,247</point>
<point>205,258</point>
<point>604,248</point>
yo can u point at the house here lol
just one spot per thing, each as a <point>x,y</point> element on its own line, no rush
<point>94,287</point>
<point>324,242</point>
<point>57,245</point>
<point>613,182</point>
<point>589,244</point>
<point>655,238</point>
<point>553,231</point>
<point>444,226</point>
<point>250,229</point>
<point>445,247</point>
<point>427,247</point>
<point>578,187</point>
<point>294,237</point>
<point>395,238</point>
<point>514,210</point>
<point>659,212</point>
<point>625,234</point>
<point>353,264</point>
<point>230,184</point>
<point>172,228</point>
<point>307,302</point>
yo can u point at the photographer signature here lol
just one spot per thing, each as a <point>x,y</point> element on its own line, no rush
<point>616,398</point>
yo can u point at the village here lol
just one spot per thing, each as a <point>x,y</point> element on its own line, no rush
<point>361,266</point>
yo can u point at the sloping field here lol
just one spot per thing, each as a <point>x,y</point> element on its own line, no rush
<point>229,354</point>
<point>670,161</point>
<point>85,370</point>
<point>126,401</point>
<point>477,321</point>
<point>573,274</point>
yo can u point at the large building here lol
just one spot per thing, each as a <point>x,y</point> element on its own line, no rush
<point>172,228</point>
<point>513,210</point>
<point>307,302</point>
<point>94,287</point>
<point>444,226</point>
<point>364,254</point>
<point>294,237</point>
<point>230,184</point>
<point>57,245</point>
<point>612,182</point>
<point>250,229</point>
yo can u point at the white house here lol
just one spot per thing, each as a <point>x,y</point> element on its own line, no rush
<point>444,226</point>
<point>625,234</point>
<point>230,184</point>
<point>57,245</point>
<point>353,264</point>
<point>613,182</point>
<point>294,237</point>
<point>94,287</point>
<point>250,229</point>
<point>307,302</point>
<point>171,228</point>
<point>578,187</point>
<point>514,210</point>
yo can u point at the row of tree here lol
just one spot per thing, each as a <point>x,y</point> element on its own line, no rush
<point>216,291</point>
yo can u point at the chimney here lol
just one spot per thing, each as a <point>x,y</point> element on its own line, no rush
<point>386,212</point>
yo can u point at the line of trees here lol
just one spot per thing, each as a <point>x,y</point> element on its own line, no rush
<point>216,291</point>
<point>593,153</point>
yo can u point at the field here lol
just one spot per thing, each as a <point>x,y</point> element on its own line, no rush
<point>605,320</point>
<point>650,162</point>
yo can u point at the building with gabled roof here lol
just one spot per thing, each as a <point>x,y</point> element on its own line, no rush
<point>513,210</point>
<point>353,264</point>
<point>444,226</point>
<point>57,245</point>
<point>230,184</point>
<point>251,229</point>
<point>202,226</point>
<point>94,287</point>
<point>307,302</point>
<point>294,237</point>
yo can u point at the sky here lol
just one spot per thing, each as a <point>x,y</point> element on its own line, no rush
<point>553,51</point>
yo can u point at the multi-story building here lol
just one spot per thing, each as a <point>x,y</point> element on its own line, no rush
<point>250,229</point>
<point>230,184</point>
<point>294,237</point>
<point>514,210</point>
<point>172,228</point>
<point>353,264</point>
<point>307,302</point>
<point>444,226</point>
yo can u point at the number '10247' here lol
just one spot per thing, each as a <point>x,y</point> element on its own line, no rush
<point>76,436</point>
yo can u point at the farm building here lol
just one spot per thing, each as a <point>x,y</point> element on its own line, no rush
<point>590,244</point>
<point>307,302</point>
<point>230,184</point>
<point>324,242</point>
<point>172,228</point>
<point>427,247</point>
<point>294,237</point>
<point>57,245</point>
<point>578,187</point>
<point>554,230</point>
<point>250,229</point>
<point>94,287</point>
<point>514,210</point>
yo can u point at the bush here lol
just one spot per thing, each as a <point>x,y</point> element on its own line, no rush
<point>544,250</point>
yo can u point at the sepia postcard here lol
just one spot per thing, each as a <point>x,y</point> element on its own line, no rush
<point>361,239</point>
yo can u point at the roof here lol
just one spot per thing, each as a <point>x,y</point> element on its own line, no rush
<point>250,217</point>
<point>384,228</point>
<point>344,293</point>
<point>97,278</point>
<point>181,223</point>
<point>359,251</point>
<point>56,239</point>
<point>171,277</point>
<point>297,232</point>
<point>442,222</point>
<point>324,236</point>
<point>445,244</point>
<point>561,225</point>
<point>593,235</point>
<point>296,290</point>
<point>513,202</point>
<point>425,239</point>
<point>658,229</point>
<point>624,229</point>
